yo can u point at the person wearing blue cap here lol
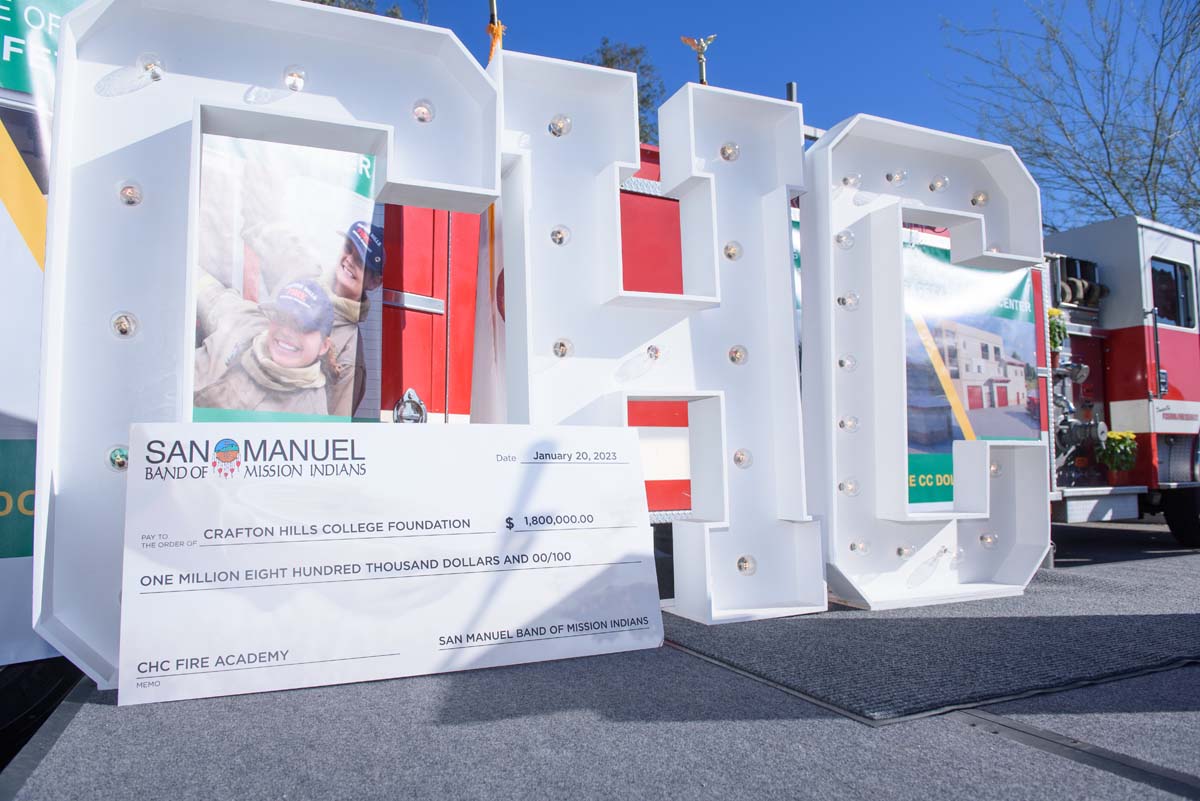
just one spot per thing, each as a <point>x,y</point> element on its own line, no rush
<point>358,270</point>
<point>269,358</point>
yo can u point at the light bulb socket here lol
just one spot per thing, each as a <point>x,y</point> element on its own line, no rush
<point>559,126</point>
<point>424,111</point>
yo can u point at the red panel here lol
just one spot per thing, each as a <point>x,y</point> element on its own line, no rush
<point>407,345</point>
<point>464,276</point>
<point>1145,470</point>
<point>1039,316</point>
<point>1002,396</point>
<point>1180,351</point>
<point>669,496</point>
<point>414,343</point>
<point>974,397</point>
<point>420,245</point>
<point>1089,351</point>
<point>649,169</point>
<point>663,495</point>
<point>1128,364</point>
<point>650,244</point>
<point>1043,403</point>
<point>665,414</point>
<point>436,402</point>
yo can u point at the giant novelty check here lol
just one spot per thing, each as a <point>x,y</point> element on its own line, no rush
<point>270,556</point>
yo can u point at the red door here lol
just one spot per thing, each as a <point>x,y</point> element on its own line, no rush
<point>974,397</point>
<point>427,340</point>
<point>1002,396</point>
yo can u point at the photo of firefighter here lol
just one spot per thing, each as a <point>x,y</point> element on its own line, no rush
<point>288,256</point>
<point>971,360</point>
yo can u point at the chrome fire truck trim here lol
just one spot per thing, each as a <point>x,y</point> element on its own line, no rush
<point>412,302</point>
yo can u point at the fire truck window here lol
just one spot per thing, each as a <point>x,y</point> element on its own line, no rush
<point>1172,286</point>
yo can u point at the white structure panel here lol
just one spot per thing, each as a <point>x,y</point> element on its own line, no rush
<point>113,125</point>
<point>883,552</point>
<point>574,292</point>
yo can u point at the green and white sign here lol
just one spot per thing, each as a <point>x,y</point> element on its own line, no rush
<point>29,43</point>
<point>17,460</point>
<point>971,361</point>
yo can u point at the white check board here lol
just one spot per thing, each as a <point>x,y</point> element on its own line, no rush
<point>271,556</point>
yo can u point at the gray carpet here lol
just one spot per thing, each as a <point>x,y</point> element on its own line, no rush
<point>1130,602</point>
<point>647,725</point>
<point>1155,718</point>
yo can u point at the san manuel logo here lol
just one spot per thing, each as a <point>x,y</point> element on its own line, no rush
<point>228,458</point>
<point>174,460</point>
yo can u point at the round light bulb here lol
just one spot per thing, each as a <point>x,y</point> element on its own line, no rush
<point>653,352</point>
<point>905,551</point>
<point>848,424</point>
<point>293,77</point>
<point>129,193</point>
<point>738,354</point>
<point>118,457</point>
<point>124,324</point>
<point>742,458</point>
<point>151,66</point>
<point>560,234</point>
<point>897,177</point>
<point>848,486</point>
<point>852,180</point>
<point>988,540</point>
<point>424,111</point>
<point>560,125</point>
<point>563,348</point>
<point>848,301</point>
<point>847,362</point>
<point>996,469</point>
<point>993,248</point>
<point>844,239</point>
<point>733,250</point>
<point>939,183</point>
<point>746,565</point>
<point>860,548</point>
<point>730,151</point>
<point>979,199</point>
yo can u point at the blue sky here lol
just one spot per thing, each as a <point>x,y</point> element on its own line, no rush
<point>884,58</point>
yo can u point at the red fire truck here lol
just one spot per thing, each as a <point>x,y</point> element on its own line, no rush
<point>1130,362</point>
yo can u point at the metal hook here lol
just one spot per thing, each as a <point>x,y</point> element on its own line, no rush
<point>410,408</point>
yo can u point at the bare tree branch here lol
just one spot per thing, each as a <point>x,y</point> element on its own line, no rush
<point>1105,113</point>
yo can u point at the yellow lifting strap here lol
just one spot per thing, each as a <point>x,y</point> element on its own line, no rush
<point>20,195</point>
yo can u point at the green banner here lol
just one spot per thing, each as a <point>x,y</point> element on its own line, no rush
<point>29,32</point>
<point>930,477</point>
<point>17,461</point>
<point>971,360</point>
